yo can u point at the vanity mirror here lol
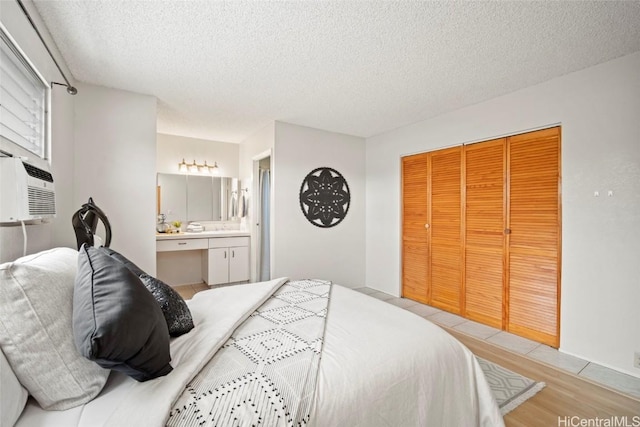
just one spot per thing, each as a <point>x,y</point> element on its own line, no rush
<point>190,198</point>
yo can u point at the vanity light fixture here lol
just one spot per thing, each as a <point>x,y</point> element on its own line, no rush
<point>214,169</point>
<point>193,168</point>
<point>196,168</point>
<point>182,166</point>
<point>204,169</point>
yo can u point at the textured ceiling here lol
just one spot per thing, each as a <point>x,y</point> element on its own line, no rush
<point>223,70</point>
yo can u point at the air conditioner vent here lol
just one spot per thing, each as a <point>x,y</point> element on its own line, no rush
<point>27,192</point>
<point>37,172</point>
<point>41,202</point>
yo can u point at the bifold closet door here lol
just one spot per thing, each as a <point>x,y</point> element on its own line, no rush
<point>534,238</point>
<point>485,165</point>
<point>445,249</point>
<point>415,249</point>
<point>481,232</point>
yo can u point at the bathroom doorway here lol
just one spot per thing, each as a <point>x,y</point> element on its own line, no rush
<point>262,225</point>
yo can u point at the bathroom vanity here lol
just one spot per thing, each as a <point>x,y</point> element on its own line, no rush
<point>212,257</point>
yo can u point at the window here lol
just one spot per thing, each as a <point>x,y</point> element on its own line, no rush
<point>23,100</point>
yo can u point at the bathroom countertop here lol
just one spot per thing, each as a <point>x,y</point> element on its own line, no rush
<point>202,235</point>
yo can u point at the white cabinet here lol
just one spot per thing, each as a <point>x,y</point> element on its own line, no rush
<point>228,260</point>
<point>239,264</point>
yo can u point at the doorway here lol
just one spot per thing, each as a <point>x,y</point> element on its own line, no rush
<point>262,167</point>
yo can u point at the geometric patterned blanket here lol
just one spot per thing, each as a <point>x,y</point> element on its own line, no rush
<point>265,374</point>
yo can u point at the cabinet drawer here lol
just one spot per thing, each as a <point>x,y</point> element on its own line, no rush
<point>181,245</point>
<point>228,242</point>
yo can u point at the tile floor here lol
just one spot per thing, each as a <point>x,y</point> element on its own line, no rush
<point>611,378</point>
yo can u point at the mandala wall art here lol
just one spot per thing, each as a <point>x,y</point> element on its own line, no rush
<point>324,197</point>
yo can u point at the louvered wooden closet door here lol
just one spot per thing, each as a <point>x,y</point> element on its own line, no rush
<point>414,234</point>
<point>534,241</point>
<point>485,165</point>
<point>445,248</point>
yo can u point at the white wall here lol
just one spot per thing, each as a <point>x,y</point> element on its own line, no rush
<point>62,165</point>
<point>303,250</point>
<point>115,163</point>
<point>599,110</point>
<point>172,149</point>
<point>259,142</point>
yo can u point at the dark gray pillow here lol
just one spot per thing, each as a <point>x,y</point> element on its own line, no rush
<point>175,310</point>
<point>131,266</point>
<point>116,321</point>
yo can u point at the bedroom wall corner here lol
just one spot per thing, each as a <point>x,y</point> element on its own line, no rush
<point>303,250</point>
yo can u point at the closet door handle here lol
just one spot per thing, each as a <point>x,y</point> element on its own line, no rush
<point>507,231</point>
<point>427,226</point>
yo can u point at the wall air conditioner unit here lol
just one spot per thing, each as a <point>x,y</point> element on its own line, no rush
<point>26,192</point>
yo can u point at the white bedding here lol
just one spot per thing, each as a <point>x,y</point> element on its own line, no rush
<point>380,366</point>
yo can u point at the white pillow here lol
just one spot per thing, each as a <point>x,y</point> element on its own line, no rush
<point>36,299</point>
<point>14,396</point>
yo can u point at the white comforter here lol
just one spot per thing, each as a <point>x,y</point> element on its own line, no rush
<point>380,366</point>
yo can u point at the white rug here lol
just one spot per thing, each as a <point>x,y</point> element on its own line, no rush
<point>509,388</point>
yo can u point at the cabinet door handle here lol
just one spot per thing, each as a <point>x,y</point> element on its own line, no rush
<point>426,226</point>
<point>182,243</point>
<point>233,254</point>
<point>225,254</point>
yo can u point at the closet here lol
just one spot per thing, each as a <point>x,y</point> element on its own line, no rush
<point>481,232</point>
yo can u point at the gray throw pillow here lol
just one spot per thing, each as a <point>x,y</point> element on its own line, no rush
<point>175,309</point>
<point>116,321</point>
<point>36,294</point>
<point>116,255</point>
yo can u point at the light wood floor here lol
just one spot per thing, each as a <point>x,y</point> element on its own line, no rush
<point>566,394</point>
<point>188,291</point>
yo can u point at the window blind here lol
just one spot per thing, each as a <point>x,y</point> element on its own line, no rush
<point>23,98</point>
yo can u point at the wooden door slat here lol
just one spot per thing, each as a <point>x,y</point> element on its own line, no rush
<point>484,231</point>
<point>414,234</point>
<point>445,244</point>
<point>534,221</point>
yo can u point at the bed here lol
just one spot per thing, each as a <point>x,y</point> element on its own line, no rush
<point>376,365</point>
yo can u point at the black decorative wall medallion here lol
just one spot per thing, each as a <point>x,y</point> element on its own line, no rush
<point>324,197</point>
